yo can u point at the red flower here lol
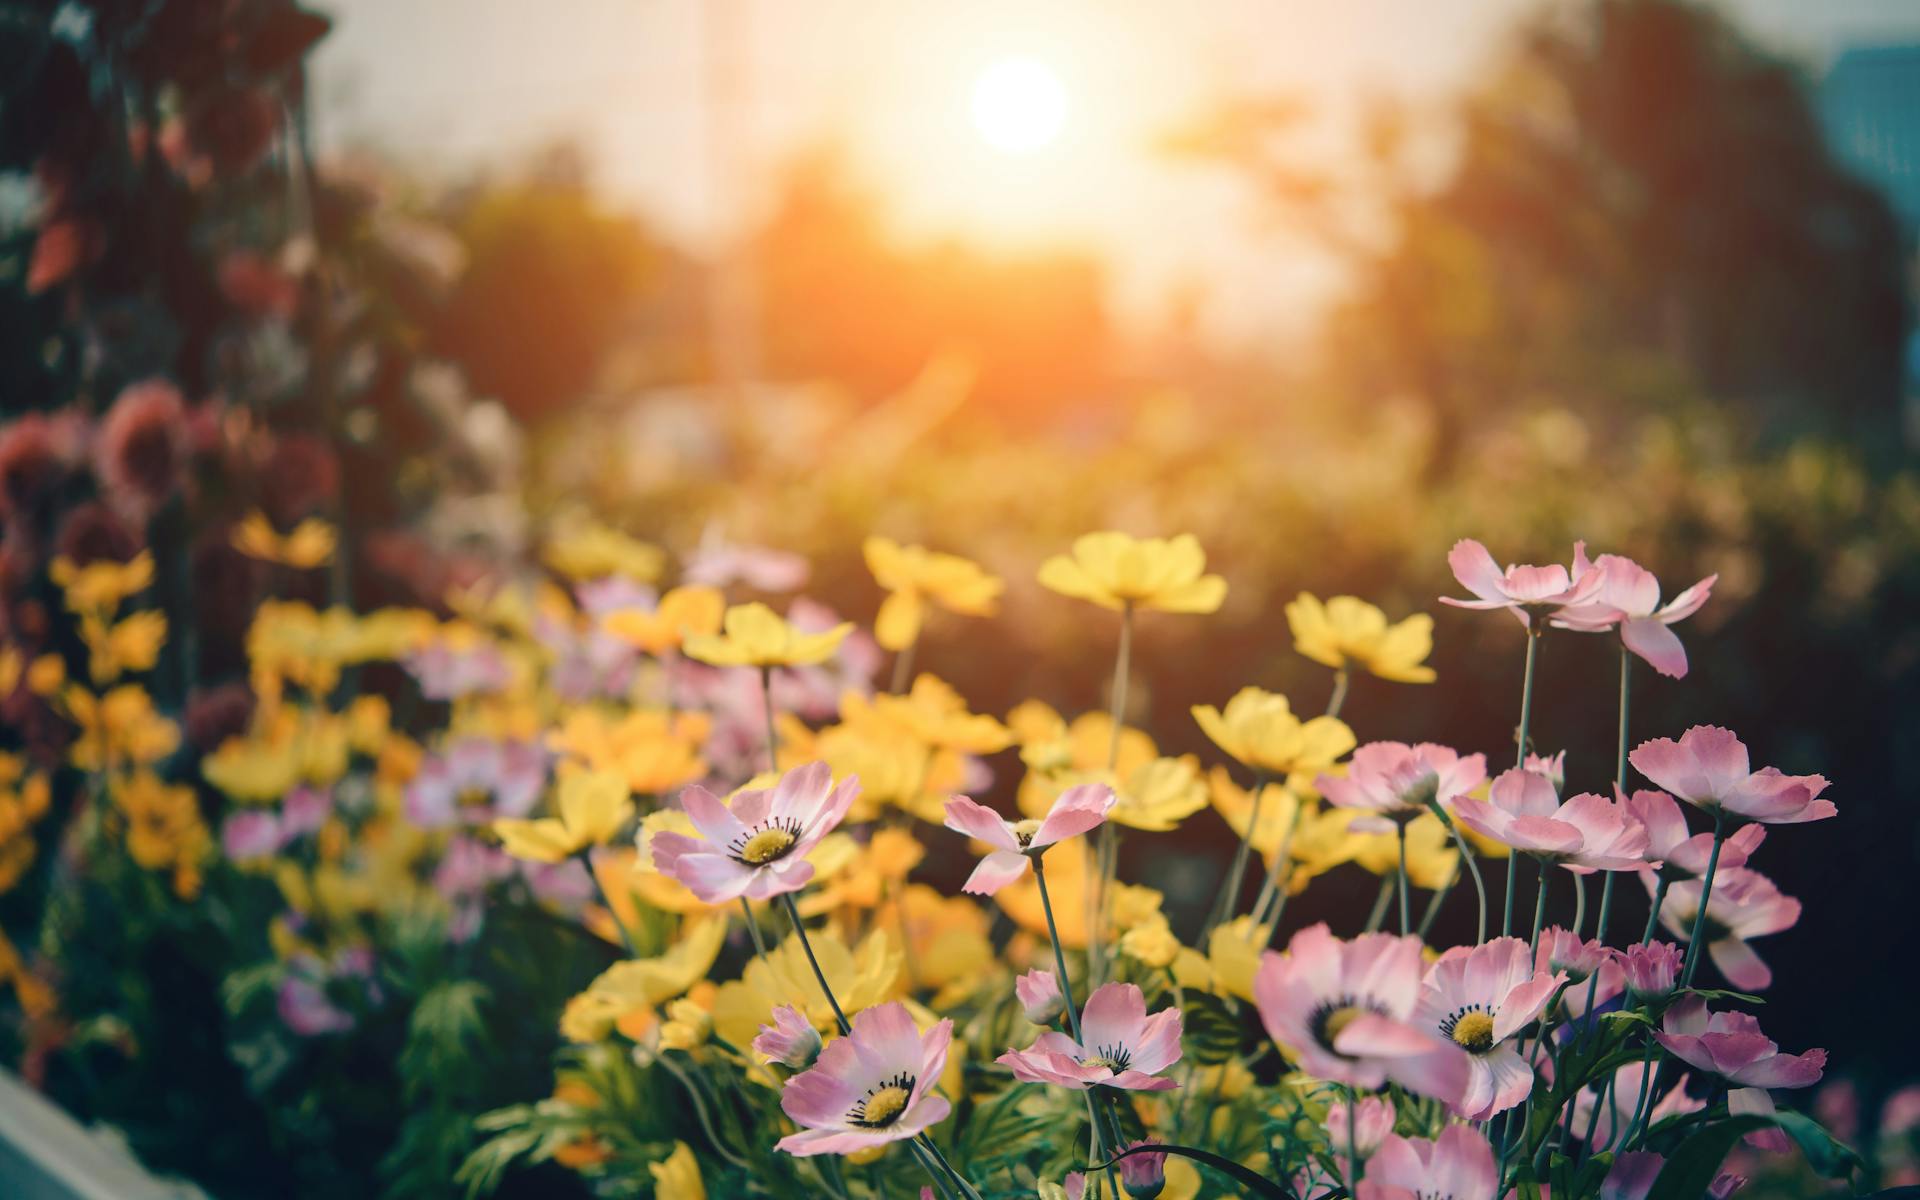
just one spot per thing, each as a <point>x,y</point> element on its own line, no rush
<point>142,447</point>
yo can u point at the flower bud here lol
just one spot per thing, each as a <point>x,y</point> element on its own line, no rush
<point>1039,994</point>
<point>1144,1175</point>
<point>1651,969</point>
<point>791,1040</point>
<point>1374,1124</point>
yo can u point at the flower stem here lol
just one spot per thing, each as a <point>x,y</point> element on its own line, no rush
<point>613,914</point>
<point>1706,894</point>
<point>903,667</point>
<point>933,1149</point>
<point>1380,902</point>
<point>1473,868</point>
<point>1579,899</point>
<point>753,928</point>
<point>1353,1154</point>
<point>1406,915</point>
<point>1109,857</point>
<point>1339,696</point>
<point>1653,915</point>
<point>1539,907</point>
<point>1228,900</point>
<point>800,931</point>
<point>1059,958</point>
<point>1520,751</point>
<point>773,739</point>
<point>1122,662</point>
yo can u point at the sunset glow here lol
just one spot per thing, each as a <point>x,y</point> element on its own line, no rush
<point>1019,105</point>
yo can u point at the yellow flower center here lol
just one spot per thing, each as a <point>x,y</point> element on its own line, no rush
<point>884,1106</point>
<point>765,846</point>
<point>1024,831</point>
<point>1338,1020</point>
<point>1474,1031</point>
<point>473,797</point>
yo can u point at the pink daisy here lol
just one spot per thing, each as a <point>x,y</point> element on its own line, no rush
<point>1395,781</point>
<point>1347,1013</point>
<point>1587,833</point>
<point>1745,904</point>
<point>1629,598</point>
<point>1376,1117</point>
<point>1480,998</point>
<point>1526,592</point>
<point>1708,768</point>
<point>1457,1165</point>
<point>1039,995</point>
<point>791,1040</point>
<point>1588,963</point>
<point>1124,1047</point>
<point>871,1087</point>
<point>757,846</point>
<point>1077,810</point>
<point>1731,1046</point>
<point>1684,853</point>
<point>475,780</point>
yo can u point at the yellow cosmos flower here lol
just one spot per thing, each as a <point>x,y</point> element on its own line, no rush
<point>593,806</point>
<point>1151,943</point>
<point>291,642</point>
<point>1260,730</point>
<point>859,979</point>
<point>689,1019</point>
<point>948,949</point>
<point>913,575</point>
<point>894,769</point>
<point>1155,796</point>
<point>588,551</point>
<point>1233,954</point>
<point>368,720</point>
<point>756,636</point>
<point>677,1177</point>
<point>12,668</point>
<point>121,726</point>
<point>1279,810</point>
<point>164,828</point>
<point>117,648</point>
<point>1116,570</point>
<point>1052,750</point>
<point>932,713</point>
<point>101,586</point>
<point>1347,631</point>
<point>684,612</point>
<point>46,674</point>
<point>307,545</point>
<point>653,751</point>
<point>251,769</point>
<point>646,982</point>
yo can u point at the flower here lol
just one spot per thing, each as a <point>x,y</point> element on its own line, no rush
<point>638,984</point>
<point>1707,768</point>
<point>141,450</point>
<point>1457,1165</point>
<point>1678,853</point>
<point>1479,997</point>
<point>1731,1046</point>
<point>913,575</point>
<point>1376,1117</point>
<point>1039,995</point>
<point>1629,598</point>
<point>1144,1174</point>
<point>692,611</point>
<point>860,977</point>
<point>756,636</point>
<point>1259,730</point>
<point>1632,1174</point>
<point>1122,1046</point>
<point>1077,810</point>
<point>1526,592</point>
<point>766,835</point>
<point>1347,631</point>
<point>474,781</point>
<point>308,545</point>
<point>1745,904</point>
<point>871,1087</point>
<point>593,806</point>
<point>1585,962</point>
<point>1396,781</point>
<point>1280,811</point>
<point>588,551</point>
<point>790,1040</point>
<point>102,585</point>
<point>677,1176</point>
<point>1116,570</point>
<point>1617,1103</point>
<point>716,562</point>
<point>1651,968</point>
<point>1587,833</point>
<point>1346,1012</point>
<point>653,751</point>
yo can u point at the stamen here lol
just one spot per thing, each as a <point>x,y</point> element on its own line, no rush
<point>1024,831</point>
<point>883,1104</point>
<point>765,842</point>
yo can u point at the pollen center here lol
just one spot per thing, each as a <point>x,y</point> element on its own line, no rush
<point>1474,1031</point>
<point>884,1107</point>
<point>1337,1021</point>
<point>473,797</point>
<point>1024,831</point>
<point>765,846</point>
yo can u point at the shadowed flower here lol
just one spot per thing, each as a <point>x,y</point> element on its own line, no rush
<point>1144,1174</point>
<point>1678,853</point>
<point>1116,570</point>
<point>1651,969</point>
<point>1632,1174</point>
<point>593,806</point>
<point>756,636</point>
<point>1629,598</point>
<point>1587,833</point>
<point>1588,965</point>
<point>791,1040</point>
<point>755,845</point>
<point>1458,1165</point>
<point>1708,768</point>
<point>1347,631</point>
<point>1526,592</point>
<point>1375,1123</point>
<point>1479,998</point>
<point>871,1087</point>
<point>1745,904</point>
<point>142,447</point>
<point>1395,782</point>
<point>1259,729</point>
<point>1039,996</point>
<point>1346,1012</point>
<point>914,575</point>
<point>1123,1046</point>
<point>474,781</point>
<point>1077,810</point>
<point>1630,1084</point>
<point>1730,1045</point>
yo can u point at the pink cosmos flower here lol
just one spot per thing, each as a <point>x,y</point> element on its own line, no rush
<point>475,780</point>
<point>1479,997</point>
<point>250,833</point>
<point>1708,768</point>
<point>1395,780</point>
<point>447,672</point>
<point>1587,833</point>
<point>1376,1117</point>
<point>1629,598</point>
<point>1347,1012</point>
<point>719,563</point>
<point>1676,852</point>
<point>757,847</point>
<point>1617,1108</point>
<point>305,1009</point>
<point>1077,810</point>
<point>1143,1174</point>
<point>1458,1165</point>
<point>1652,969</point>
<point>871,1087</point>
<point>791,1040</point>
<point>1039,994</point>
<point>1124,1047</point>
<point>1588,965</point>
<point>1731,1046</point>
<point>1745,904</point>
<point>1519,590</point>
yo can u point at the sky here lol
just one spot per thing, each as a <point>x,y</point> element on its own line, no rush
<point>454,86</point>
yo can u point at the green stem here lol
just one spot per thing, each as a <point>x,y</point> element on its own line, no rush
<point>1472,865</point>
<point>1339,697</point>
<point>1228,900</point>
<point>1380,901</point>
<point>1353,1155</point>
<point>1653,916</point>
<point>773,739</point>
<point>1539,907</point>
<point>933,1149</point>
<point>1706,894</point>
<point>903,667</point>
<point>1520,752</point>
<point>1097,1148</point>
<point>753,928</point>
<point>1122,663</point>
<point>1406,914</point>
<point>800,931</point>
<point>1579,899</point>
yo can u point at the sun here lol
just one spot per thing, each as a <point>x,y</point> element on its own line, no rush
<point>1019,105</point>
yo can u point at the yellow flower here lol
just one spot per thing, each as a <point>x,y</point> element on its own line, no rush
<point>164,828</point>
<point>12,667</point>
<point>913,575</point>
<point>130,645</point>
<point>590,551</point>
<point>369,722</point>
<point>684,612</point>
<point>1279,809</point>
<point>1233,953</point>
<point>307,545</point>
<point>1151,943</point>
<point>948,949</point>
<point>859,979</point>
<point>756,636</point>
<point>653,751</point>
<point>688,1024</point>
<point>1115,570</point>
<point>1431,856</point>
<point>677,1177</point>
<point>46,674</point>
<point>1348,631</point>
<point>644,983</point>
<point>1067,885</point>
<point>1155,796</point>
<point>1051,748</point>
<point>932,713</point>
<point>1260,730</point>
<point>120,726</point>
<point>101,586</point>
<point>593,807</point>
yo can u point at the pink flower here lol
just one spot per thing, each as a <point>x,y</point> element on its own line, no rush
<point>1124,1047</point>
<point>1631,1176</point>
<point>1587,833</point>
<point>142,447</point>
<point>1375,1123</point>
<point>1652,969</point>
<point>1617,1108</point>
<point>1458,1165</point>
<point>1039,994</point>
<point>719,563</point>
<point>1077,810</point>
<point>1629,598</point>
<point>250,833</point>
<point>1707,768</point>
<point>474,781</point>
<point>1479,997</point>
<point>1731,1046</point>
<point>869,1088</point>
<point>1683,853</point>
<point>1745,904</point>
<point>1526,592</point>
<point>1347,1012</point>
<point>304,1008</point>
<point>1396,780</point>
<point>1588,966</point>
<point>1144,1174</point>
<point>757,847</point>
<point>791,1040</point>
<point>305,810</point>
<point>448,672</point>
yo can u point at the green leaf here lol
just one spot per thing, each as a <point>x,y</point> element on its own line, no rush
<point>1210,1029</point>
<point>1691,1167</point>
<point>1260,1185</point>
<point>1831,1158</point>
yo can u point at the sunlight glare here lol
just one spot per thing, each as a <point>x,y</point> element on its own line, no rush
<point>1019,105</point>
